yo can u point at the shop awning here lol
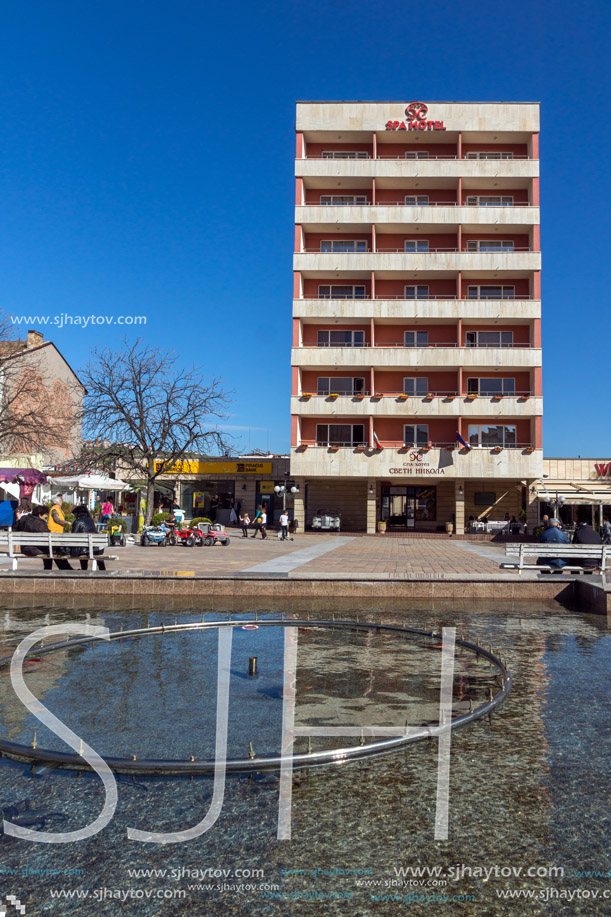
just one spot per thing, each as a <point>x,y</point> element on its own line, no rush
<point>22,476</point>
<point>574,493</point>
<point>87,482</point>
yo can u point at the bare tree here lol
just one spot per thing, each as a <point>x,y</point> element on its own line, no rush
<point>37,413</point>
<point>145,413</point>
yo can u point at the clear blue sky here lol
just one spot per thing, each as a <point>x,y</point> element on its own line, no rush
<point>146,168</point>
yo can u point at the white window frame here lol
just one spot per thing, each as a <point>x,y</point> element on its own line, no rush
<point>417,291</point>
<point>344,154</point>
<point>329,331</point>
<point>416,200</point>
<point>489,200</point>
<point>333,380</point>
<point>339,251</point>
<point>347,200</point>
<point>474,385</point>
<point>416,243</point>
<point>341,286</point>
<point>503,245</point>
<point>501,342</point>
<point>474,436</point>
<point>508,291</point>
<point>416,333</point>
<point>490,154</point>
<point>416,154</point>
<point>419,382</point>
<point>325,440</point>
<point>420,434</point>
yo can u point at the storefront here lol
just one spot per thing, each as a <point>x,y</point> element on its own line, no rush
<point>212,487</point>
<point>575,490</point>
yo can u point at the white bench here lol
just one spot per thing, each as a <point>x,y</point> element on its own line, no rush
<point>11,541</point>
<point>567,552</point>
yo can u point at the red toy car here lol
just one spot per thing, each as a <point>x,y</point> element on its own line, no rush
<point>186,537</point>
<point>213,534</point>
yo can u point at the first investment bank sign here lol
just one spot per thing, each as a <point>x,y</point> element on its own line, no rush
<point>416,119</point>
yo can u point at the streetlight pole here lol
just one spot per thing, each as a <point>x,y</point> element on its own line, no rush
<point>281,489</point>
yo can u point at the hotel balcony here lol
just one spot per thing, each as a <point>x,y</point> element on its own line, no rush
<point>522,356</point>
<point>396,463</point>
<point>311,263</point>
<point>393,404</point>
<point>389,309</point>
<point>423,168</point>
<point>359,217</point>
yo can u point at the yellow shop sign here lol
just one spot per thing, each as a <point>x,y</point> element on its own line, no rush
<point>218,467</point>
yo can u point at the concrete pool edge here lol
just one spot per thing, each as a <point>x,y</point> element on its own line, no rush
<point>591,593</point>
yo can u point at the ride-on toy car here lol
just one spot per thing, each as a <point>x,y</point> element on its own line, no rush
<point>213,534</point>
<point>154,534</point>
<point>329,520</point>
<point>186,537</point>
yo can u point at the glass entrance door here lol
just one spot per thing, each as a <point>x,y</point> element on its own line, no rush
<point>406,507</point>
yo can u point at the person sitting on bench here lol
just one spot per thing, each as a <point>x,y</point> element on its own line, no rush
<point>553,534</point>
<point>83,524</point>
<point>585,534</point>
<point>36,521</point>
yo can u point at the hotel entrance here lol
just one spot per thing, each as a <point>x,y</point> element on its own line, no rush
<point>406,507</point>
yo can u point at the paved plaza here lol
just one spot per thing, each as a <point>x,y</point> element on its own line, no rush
<point>311,555</point>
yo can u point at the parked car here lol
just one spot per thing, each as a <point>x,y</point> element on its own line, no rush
<point>213,534</point>
<point>327,520</point>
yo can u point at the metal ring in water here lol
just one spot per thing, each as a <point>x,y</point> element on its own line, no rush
<point>73,761</point>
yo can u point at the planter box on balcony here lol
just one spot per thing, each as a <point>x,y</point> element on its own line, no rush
<point>450,397</point>
<point>333,395</point>
<point>497,449</point>
<point>360,448</point>
<point>378,395</point>
<point>358,397</point>
<point>307,395</point>
<point>471,397</point>
<point>529,450</point>
<point>401,397</point>
<point>301,448</point>
<point>333,448</point>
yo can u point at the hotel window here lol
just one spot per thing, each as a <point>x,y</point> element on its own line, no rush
<point>348,386</point>
<point>489,154</point>
<point>416,434</point>
<point>415,385</point>
<point>337,291</point>
<point>490,200</point>
<point>416,154</point>
<point>491,386</point>
<point>419,292</point>
<point>342,200</point>
<point>482,435</point>
<point>344,245</point>
<point>416,245</point>
<point>416,200</point>
<point>340,434</point>
<point>489,245</point>
<point>491,292</point>
<point>345,154</point>
<point>489,338</point>
<point>416,339</point>
<point>341,338</point>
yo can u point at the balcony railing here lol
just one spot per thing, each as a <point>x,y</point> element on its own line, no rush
<point>403,396</point>
<point>429,251</point>
<point>394,156</point>
<point>403,204</point>
<point>399,445</point>
<point>431,296</point>
<point>438,345</point>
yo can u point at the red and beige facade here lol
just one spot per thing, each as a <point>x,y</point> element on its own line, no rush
<point>416,312</point>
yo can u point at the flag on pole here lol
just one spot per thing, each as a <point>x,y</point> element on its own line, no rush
<point>376,441</point>
<point>462,442</point>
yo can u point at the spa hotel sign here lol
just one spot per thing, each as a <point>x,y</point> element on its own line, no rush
<point>415,120</point>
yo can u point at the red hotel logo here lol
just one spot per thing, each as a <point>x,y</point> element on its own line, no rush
<point>415,113</point>
<point>603,470</point>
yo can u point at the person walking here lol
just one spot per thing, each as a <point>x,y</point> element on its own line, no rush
<point>107,510</point>
<point>284,525</point>
<point>605,532</point>
<point>83,524</point>
<point>257,521</point>
<point>263,520</point>
<point>245,522</point>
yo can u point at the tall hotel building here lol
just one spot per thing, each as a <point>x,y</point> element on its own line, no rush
<point>416,386</point>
